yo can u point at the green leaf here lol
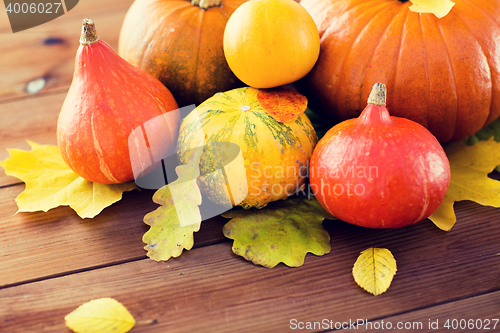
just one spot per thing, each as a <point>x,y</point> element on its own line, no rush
<point>284,231</point>
<point>51,183</point>
<point>320,124</point>
<point>178,217</point>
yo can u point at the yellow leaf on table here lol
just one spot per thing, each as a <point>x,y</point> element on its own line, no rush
<point>101,315</point>
<point>374,269</point>
<point>51,183</point>
<point>470,166</point>
<point>440,8</point>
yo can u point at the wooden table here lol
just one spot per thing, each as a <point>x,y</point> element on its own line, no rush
<point>52,262</point>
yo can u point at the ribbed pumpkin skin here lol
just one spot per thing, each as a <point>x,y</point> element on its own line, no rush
<point>108,98</point>
<point>276,155</point>
<point>442,73</point>
<point>181,45</point>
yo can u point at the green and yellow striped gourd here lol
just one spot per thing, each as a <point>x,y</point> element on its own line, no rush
<point>276,155</point>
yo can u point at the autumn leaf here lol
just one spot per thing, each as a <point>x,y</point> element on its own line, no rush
<point>178,217</point>
<point>284,231</point>
<point>283,104</point>
<point>374,270</point>
<point>103,315</point>
<point>492,130</point>
<point>440,8</point>
<point>470,166</point>
<point>51,183</point>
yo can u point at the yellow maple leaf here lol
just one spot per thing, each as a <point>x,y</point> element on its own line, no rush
<point>440,8</point>
<point>51,183</point>
<point>470,166</point>
<point>101,315</point>
<point>374,270</point>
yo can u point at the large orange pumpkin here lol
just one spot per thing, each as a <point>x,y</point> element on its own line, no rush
<point>443,73</point>
<point>180,43</point>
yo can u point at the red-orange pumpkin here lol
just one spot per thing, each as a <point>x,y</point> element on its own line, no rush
<point>180,44</point>
<point>443,73</point>
<point>107,100</point>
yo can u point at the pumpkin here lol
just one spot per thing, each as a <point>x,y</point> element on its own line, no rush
<point>269,43</point>
<point>107,100</point>
<point>440,72</point>
<point>180,43</point>
<point>379,171</point>
<point>275,155</point>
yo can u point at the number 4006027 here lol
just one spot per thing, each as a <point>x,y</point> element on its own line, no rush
<point>33,8</point>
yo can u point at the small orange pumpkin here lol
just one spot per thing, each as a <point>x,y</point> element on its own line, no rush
<point>269,43</point>
<point>180,43</point>
<point>443,73</point>
<point>107,100</point>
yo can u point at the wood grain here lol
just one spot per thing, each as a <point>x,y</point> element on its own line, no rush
<point>38,245</point>
<point>211,287</point>
<point>48,51</point>
<point>479,309</point>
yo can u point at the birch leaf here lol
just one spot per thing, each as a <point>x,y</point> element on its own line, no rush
<point>284,231</point>
<point>374,270</point>
<point>103,315</point>
<point>51,183</point>
<point>470,166</point>
<point>178,217</point>
<point>283,104</point>
<point>440,8</point>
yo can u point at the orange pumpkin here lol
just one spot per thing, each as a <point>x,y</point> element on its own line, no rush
<point>180,43</point>
<point>107,100</point>
<point>269,43</point>
<point>443,73</point>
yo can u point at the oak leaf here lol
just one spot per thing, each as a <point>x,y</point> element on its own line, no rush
<point>103,315</point>
<point>284,231</point>
<point>374,270</point>
<point>178,217</point>
<point>51,183</point>
<point>283,104</point>
<point>440,8</point>
<point>470,166</point>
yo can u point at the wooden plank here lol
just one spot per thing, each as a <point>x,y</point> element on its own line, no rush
<point>472,314</point>
<point>39,245</point>
<point>48,51</point>
<point>209,287</point>
<point>32,119</point>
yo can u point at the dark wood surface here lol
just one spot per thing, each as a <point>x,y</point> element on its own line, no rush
<point>52,262</point>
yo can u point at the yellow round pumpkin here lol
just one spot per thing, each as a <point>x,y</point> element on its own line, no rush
<point>268,43</point>
<point>275,155</point>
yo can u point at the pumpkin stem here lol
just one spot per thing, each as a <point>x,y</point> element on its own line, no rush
<point>205,4</point>
<point>378,94</point>
<point>89,34</point>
